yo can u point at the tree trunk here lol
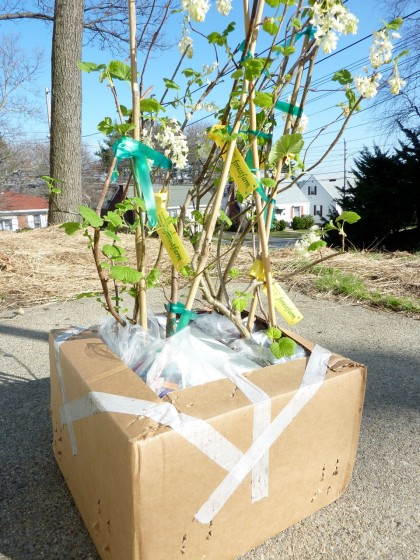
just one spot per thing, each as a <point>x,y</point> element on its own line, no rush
<point>66,111</point>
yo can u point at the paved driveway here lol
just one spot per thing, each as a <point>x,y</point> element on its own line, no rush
<point>377,518</point>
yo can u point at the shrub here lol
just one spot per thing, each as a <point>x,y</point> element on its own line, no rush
<point>302,222</point>
<point>278,225</point>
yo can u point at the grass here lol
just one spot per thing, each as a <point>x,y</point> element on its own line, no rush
<point>334,281</point>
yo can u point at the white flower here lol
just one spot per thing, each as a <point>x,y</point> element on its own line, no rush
<point>396,83</point>
<point>303,124</point>
<point>197,9</point>
<point>330,19</point>
<point>313,235</point>
<point>224,6</point>
<point>185,46</point>
<point>367,86</point>
<point>381,50</point>
<point>173,142</point>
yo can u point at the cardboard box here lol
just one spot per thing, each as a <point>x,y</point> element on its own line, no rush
<point>203,473</point>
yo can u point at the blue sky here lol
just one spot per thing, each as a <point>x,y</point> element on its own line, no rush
<point>98,103</point>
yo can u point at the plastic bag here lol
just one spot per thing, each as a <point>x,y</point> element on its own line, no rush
<point>131,343</point>
<point>185,360</point>
<point>215,326</point>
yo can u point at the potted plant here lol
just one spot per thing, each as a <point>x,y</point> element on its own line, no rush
<point>131,456</point>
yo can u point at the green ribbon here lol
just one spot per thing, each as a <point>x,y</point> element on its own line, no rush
<point>260,188</point>
<point>139,153</point>
<point>309,31</point>
<point>294,110</point>
<point>186,315</point>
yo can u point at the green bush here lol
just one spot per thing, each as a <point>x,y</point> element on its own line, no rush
<point>278,225</point>
<point>302,222</point>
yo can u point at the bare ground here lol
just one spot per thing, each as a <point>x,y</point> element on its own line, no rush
<point>45,265</point>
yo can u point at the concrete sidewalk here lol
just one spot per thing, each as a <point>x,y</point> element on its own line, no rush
<point>377,518</point>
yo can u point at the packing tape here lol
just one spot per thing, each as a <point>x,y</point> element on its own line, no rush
<point>203,436</point>
<point>312,380</point>
<point>57,343</point>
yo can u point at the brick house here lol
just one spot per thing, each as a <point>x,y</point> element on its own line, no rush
<point>18,211</point>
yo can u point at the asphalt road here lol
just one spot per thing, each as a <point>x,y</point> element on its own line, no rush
<point>377,518</point>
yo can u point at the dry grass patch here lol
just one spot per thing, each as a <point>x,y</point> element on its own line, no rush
<point>45,265</point>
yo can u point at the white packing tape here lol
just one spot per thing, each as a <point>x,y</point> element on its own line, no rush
<point>208,440</point>
<point>312,380</point>
<point>57,343</point>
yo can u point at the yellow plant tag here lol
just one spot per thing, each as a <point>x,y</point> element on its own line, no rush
<point>168,234</point>
<point>257,271</point>
<point>285,305</point>
<point>241,173</point>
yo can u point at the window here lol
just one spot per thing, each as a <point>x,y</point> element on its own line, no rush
<point>318,210</point>
<point>312,189</point>
<point>296,211</point>
<point>6,225</point>
<point>37,220</point>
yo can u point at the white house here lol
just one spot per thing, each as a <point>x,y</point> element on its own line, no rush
<point>19,211</point>
<point>322,194</point>
<point>290,203</point>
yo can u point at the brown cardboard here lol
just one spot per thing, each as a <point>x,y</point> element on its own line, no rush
<point>138,484</point>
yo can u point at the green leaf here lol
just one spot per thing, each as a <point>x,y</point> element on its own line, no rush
<point>286,146</point>
<point>330,226</point>
<point>112,251</point>
<point>188,72</point>
<point>234,273</point>
<point>113,218</point>
<point>88,295</point>
<point>270,26</point>
<point>263,99</point>
<point>125,274</point>
<point>237,74</point>
<point>317,245</point>
<point>90,66</point>
<point>106,126</point>
<point>273,333</point>
<point>216,38</point>
<point>349,217</point>
<point>343,77</point>
<point>139,203</point>
<point>352,97</point>
<point>395,23</point>
<point>198,216</point>
<point>268,182</point>
<point>125,111</point>
<point>240,302</point>
<point>71,227</point>
<point>170,84</point>
<point>119,70</point>
<point>224,218</point>
<point>286,50</point>
<point>151,105</point>
<point>253,68</point>
<point>283,347</point>
<point>297,24</point>
<point>91,217</point>
<point>152,279</point>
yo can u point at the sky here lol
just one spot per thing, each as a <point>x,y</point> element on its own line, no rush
<point>321,108</point>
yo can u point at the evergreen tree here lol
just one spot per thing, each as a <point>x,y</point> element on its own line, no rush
<point>386,195</point>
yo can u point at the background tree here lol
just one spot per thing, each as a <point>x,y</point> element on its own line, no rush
<point>386,194</point>
<point>17,72</point>
<point>106,23</point>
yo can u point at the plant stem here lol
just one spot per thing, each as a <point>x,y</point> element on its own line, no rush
<point>141,304</point>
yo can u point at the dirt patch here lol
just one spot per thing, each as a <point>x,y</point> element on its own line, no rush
<point>45,265</point>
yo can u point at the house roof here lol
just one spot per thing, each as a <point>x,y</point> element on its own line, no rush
<point>177,194</point>
<point>330,186</point>
<point>10,201</point>
<point>291,196</point>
